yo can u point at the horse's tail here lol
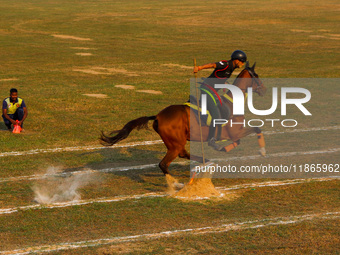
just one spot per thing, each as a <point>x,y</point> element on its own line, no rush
<point>123,133</point>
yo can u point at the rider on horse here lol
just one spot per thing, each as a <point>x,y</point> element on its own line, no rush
<point>222,71</point>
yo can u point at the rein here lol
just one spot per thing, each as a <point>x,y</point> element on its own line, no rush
<point>253,78</point>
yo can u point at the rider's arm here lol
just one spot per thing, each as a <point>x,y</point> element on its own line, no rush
<point>207,66</point>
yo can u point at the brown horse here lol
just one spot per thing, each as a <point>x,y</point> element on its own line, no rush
<point>175,128</point>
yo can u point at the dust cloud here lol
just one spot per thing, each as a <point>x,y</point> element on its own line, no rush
<point>56,187</point>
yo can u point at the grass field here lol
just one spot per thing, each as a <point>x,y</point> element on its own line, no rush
<point>55,52</point>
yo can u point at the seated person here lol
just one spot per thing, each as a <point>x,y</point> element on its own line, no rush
<point>14,109</point>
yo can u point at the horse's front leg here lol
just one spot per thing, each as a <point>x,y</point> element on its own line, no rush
<point>237,133</point>
<point>260,140</point>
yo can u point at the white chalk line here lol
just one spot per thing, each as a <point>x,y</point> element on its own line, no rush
<point>90,148</point>
<point>281,154</point>
<point>141,167</point>
<point>80,202</point>
<point>237,226</point>
<point>156,194</point>
<point>77,148</point>
<point>299,130</point>
<point>87,171</point>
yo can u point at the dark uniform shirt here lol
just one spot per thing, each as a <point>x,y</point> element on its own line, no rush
<point>221,74</point>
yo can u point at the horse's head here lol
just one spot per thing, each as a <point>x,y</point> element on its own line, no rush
<point>256,83</point>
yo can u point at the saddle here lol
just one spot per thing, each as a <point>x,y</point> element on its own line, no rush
<point>206,120</point>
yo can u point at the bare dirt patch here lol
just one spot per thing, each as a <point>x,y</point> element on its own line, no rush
<point>334,38</point>
<point>96,95</point>
<point>301,31</point>
<point>125,86</point>
<point>82,48</point>
<point>89,71</point>
<point>103,70</point>
<point>116,71</point>
<point>317,36</point>
<point>9,79</point>
<point>99,16</point>
<point>84,54</point>
<point>150,91</point>
<point>71,37</point>
<point>177,65</point>
<point>327,36</point>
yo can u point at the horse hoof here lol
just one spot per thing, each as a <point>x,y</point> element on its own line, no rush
<point>262,152</point>
<point>212,143</point>
<point>179,185</point>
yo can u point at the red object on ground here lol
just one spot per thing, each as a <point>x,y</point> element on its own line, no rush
<point>17,128</point>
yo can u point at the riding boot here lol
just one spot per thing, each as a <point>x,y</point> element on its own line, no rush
<point>212,131</point>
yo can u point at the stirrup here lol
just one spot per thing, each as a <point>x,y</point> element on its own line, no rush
<point>212,143</point>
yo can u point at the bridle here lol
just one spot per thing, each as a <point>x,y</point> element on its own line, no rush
<point>253,78</point>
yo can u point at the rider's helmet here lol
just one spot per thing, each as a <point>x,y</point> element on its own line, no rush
<point>240,55</point>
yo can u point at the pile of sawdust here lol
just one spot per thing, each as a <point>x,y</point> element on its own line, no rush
<point>200,188</point>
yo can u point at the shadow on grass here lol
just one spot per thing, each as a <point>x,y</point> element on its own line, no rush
<point>139,165</point>
<point>3,127</point>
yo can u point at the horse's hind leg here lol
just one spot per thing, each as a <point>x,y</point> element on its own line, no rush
<point>172,154</point>
<point>169,157</point>
<point>184,154</point>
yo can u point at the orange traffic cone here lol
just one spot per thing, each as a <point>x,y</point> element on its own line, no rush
<point>17,128</point>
